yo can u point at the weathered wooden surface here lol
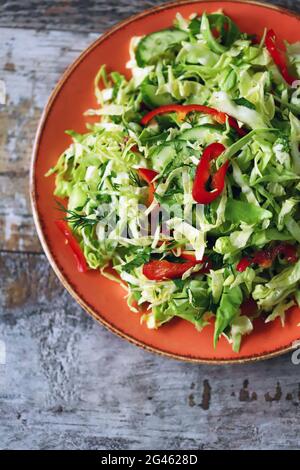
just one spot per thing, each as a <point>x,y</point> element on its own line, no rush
<point>30,65</point>
<point>68,383</point>
<point>81,15</point>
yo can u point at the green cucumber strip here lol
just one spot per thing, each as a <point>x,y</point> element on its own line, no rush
<point>156,44</point>
<point>151,99</point>
<point>198,132</point>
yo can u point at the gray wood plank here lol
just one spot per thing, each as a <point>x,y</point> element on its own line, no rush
<point>82,15</point>
<point>31,63</point>
<point>68,383</point>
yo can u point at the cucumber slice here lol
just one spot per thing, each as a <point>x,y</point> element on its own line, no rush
<point>174,151</point>
<point>151,99</point>
<point>212,43</point>
<point>155,44</point>
<point>150,138</point>
<point>162,156</point>
<point>201,132</point>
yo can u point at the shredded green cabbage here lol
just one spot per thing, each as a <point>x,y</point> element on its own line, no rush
<point>216,65</point>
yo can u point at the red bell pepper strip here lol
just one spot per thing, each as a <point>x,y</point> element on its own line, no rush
<point>278,56</point>
<point>183,110</point>
<point>265,258</point>
<point>73,244</point>
<point>203,175</point>
<point>160,270</point>
<point>243,264</point>
<point>148,176</point>
<point>189,257</point>
<point>207,264</point>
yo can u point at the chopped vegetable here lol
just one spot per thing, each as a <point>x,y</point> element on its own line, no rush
<point>188,183</point>
<point>159,270</point>
<point>265,258</point>
<point>200,192</point>
<point>278,56</point>
<point>73,244</point>
<point>154,45</point>
<point>148,176</point>
<point>183,110</point>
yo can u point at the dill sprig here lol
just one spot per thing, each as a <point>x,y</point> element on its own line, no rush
<point>134,178</point>
<point>77,219</point>
<point>80,221</point>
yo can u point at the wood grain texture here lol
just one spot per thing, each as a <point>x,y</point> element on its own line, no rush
<point>67,383</point>
<point>82,15</point>
<point>31,63</point>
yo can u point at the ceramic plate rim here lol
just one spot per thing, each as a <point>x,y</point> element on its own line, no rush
<point>33,194</point>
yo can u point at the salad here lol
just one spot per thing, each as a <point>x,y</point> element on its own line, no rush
<point>188,183</point>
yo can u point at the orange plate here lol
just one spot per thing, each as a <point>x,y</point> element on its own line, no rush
<point>102,298</point>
